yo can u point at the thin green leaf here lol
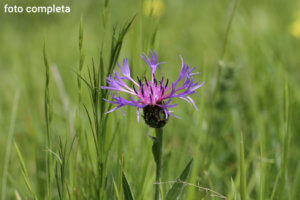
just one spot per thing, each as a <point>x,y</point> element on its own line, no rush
<point>285,149</point>
<point>275,186</point>
<point>116,189</point>
<point>80,33</point>
<point>126,189</point>
<point>24,171</point>
<point>80,77</point>
<point>9,143</point>
<point>242,171</point>
<point>296,184</point>
<point>175,190</point>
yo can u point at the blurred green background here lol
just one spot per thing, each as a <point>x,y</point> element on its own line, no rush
<point>243,91</point>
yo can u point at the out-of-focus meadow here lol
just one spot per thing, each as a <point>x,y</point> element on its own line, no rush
<point>248,53</point>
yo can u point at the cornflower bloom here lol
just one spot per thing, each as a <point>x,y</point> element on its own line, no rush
<point>154,96</point>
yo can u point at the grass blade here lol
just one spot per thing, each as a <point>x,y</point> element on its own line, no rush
<point>127,189</point>
<point>116,189</point>
<point>275,186</point>
<point>9,142</point>
<point>296,184</point>
<point>24,171</point>
<point>175,190</point>
<point>48,119</point>
<point>242,171</point>
<point>284,157</point>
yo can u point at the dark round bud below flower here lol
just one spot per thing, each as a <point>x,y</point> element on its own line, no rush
<point>155,116</point>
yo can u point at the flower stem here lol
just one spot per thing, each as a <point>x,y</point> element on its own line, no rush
<point>157,153</point>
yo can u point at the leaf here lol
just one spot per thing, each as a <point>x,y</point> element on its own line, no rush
<point>126,188</point>
<point>242,171</point>
<point>24,172</point>
<point>116,189</point>
<point>175,190</point>
<point>285,145</point>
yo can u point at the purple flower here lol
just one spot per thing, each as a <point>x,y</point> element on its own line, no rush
<point>153,94</point>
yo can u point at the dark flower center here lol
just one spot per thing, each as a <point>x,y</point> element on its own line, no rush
<point>155,116</point>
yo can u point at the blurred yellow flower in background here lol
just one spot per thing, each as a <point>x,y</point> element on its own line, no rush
<point>295,26</point>
<point>154,8</point>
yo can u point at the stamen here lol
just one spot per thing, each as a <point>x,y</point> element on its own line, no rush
<point>142,89</point>
<point>167,83</point>
<point>134,89</point>
<point>151,90</point>
<point>146,81</point>
<point>150,98</point>
<point>139,80</point>
<point>162,80</point>
<point>155,81</point>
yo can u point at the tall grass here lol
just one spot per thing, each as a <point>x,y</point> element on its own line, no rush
<point>48,118</point>
<point>9,143</point>
<point>66,147</point>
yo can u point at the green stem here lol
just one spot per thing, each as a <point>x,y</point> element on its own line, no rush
<point>157,152</point>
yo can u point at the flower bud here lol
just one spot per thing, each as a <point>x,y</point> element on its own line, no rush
<point>155,116</point>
